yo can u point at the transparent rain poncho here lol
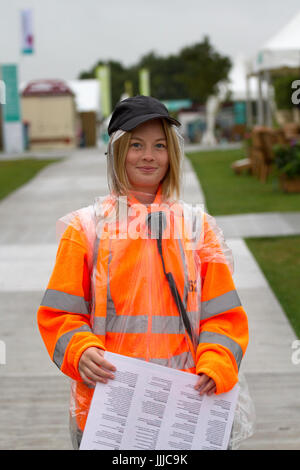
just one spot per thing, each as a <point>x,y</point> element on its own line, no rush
<point>146,262</point>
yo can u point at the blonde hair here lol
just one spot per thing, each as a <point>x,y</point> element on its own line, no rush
<point>171,182</point>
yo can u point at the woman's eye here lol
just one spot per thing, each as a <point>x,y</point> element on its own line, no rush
<point>161,146</point>
<point>136,145</point>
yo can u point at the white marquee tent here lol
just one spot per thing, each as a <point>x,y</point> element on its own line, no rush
<point>238,80</point>
<point>281,50</point>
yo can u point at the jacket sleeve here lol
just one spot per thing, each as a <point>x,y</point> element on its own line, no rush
<point>63,316</point>
<point>223,335</point>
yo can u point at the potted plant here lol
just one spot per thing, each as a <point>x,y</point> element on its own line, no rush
<point>287,162</point>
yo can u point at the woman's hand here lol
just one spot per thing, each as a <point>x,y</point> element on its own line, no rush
<point>94,368</point>
<point>205,385</point>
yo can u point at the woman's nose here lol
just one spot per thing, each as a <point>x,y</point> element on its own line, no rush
<point>148,156</point>
<point>148,153</point>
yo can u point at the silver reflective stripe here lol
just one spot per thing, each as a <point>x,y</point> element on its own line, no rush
<point>127,323</point>
<point>194,318</point>
<point>62,344</point>
<point>96,250</point>
<point>167,324</point>
<point>186,276</point>
<point>94,276</point>
<point>139,324</point>
<point>66,302</point>
<point>223,340</point>
<point>220,304</point>
<point>180,361</point>
<point>110,306</point>
<point>99,325</point>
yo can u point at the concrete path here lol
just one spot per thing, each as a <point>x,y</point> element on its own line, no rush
<point>266,224</point>
<point>34,394</point>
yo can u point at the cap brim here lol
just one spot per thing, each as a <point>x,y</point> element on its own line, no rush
<point>137,120</point>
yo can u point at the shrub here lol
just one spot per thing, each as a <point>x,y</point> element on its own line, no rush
<point>287,159</point>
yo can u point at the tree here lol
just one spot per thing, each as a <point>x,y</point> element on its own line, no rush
<point>194,73</point>
<point>203,69</point>
<point>164,73</point>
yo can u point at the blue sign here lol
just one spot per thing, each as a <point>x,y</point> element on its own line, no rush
<point>239,109</point>
<point>175,105</point>
<point>11,109</point>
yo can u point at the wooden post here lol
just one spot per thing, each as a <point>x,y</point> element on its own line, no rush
<point>260,109</point>
<point>269,120</point>
<point>248,104</point>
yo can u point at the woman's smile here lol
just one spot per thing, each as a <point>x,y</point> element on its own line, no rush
<point>147,169</point>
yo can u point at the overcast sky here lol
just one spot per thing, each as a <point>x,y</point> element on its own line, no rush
<point>71,35</point>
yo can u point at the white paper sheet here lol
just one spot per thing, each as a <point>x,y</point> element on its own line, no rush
<point>148,406</point>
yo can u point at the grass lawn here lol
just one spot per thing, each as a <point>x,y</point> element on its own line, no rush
<point>228,193</point>
<point>279,259</point>
<point>15,173</point>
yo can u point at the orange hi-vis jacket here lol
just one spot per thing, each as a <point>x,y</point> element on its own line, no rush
<point>117,298</point>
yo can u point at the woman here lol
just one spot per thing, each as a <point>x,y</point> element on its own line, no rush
<point>140,273</point>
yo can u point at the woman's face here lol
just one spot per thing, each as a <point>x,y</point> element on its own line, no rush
<point>147,160</point>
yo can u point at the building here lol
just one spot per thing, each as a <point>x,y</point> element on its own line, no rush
<point>50,115</point>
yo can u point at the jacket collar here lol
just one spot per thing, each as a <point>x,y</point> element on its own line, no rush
<point>133,197</point>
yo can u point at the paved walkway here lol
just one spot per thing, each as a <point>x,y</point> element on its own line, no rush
<point>34,394</point>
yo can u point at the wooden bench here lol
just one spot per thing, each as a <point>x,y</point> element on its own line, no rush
<point>241,165</point>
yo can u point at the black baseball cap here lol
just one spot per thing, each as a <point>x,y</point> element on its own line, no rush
<point>131,112</point>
